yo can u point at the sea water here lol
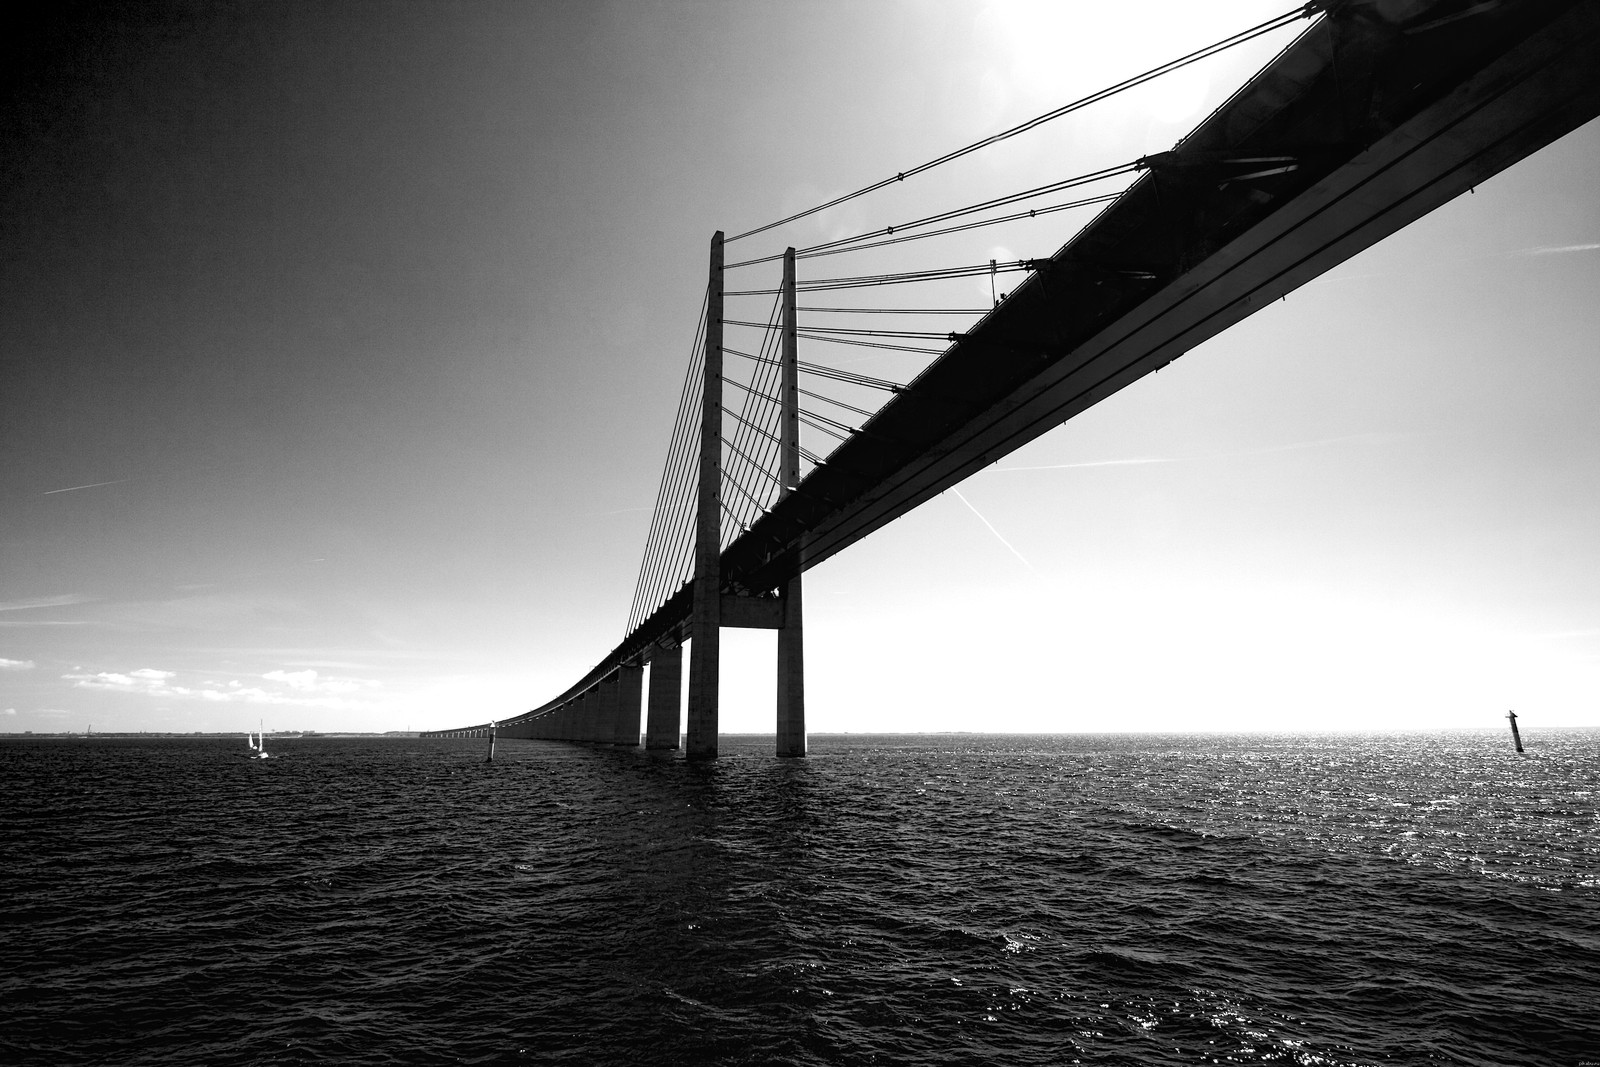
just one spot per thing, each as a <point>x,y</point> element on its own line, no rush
<point>1427,898</point>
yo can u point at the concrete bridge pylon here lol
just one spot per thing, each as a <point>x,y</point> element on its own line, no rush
<point>714,606</point>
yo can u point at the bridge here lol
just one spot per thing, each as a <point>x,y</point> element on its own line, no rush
<point>1375,114</point>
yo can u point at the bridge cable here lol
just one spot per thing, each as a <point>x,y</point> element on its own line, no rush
<point>1104,198</point>
<point>805,417</point>
<point>1305,11</point>
<point>660,521</point>
<point>676,545</point>
<point>875,344</point>
<point>851,377</point>
<point>762,431</point>
<point>999,201</point>
<point>862,331</point>
<point>672,527</point>
<point>758,403</point>
<point>936,274</point>
<point>838,403</point>
<point>899,311</point>
<point>849,244</point>
<point>844,427</point>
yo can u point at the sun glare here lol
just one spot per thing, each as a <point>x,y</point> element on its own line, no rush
<point>1038,49</point>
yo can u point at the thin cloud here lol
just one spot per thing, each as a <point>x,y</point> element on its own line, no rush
<point>619,511</point>
<point>42,622</point>
<point>1555,250</point>
<point>309,681</point>
<point>16,664</point>
<point>1338,275</point>
<point>91,485</point>
<point>44,602</point>
<point>1321,442</point>
<point>1009,547</point>
<point>305,688</point>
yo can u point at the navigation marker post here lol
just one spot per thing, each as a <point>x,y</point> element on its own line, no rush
<point>1515,736</point>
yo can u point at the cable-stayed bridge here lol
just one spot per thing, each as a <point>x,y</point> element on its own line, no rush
<point>1374,114</point>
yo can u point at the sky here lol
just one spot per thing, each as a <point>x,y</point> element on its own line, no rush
<point>341,346</point>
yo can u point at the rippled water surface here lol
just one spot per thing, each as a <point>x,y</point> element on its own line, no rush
<point>1350,899</point>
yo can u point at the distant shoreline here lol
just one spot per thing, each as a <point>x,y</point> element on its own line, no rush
<point>291,735</point>
<point>287,735</point>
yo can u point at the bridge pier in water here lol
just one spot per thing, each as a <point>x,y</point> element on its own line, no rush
<point>666,697</point>
<point>625,725</point>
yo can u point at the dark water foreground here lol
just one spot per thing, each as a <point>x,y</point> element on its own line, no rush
<point>1407,899</point>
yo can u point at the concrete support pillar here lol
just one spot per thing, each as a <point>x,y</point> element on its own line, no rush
<point>666,694</point>
<point>792,675</point>
<point>706,618</point>
<point>588,708</point>
<point>605,711</point>
<point>791,637</point>
<point>630,684</point>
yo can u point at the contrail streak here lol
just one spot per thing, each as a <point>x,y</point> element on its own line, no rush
<point>91,485</point>
<point>1553,250</point>
<point>1097,463</point>
<point>1009,547</point>
<point>1292,446</point>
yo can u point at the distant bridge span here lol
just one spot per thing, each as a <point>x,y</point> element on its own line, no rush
<point>1377,114</point>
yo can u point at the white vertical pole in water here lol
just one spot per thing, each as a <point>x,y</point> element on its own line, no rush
<point>492,726</point>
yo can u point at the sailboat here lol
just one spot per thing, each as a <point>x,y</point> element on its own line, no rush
<point>258,749</point>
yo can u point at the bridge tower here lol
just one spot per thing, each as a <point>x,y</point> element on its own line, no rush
<point>713,607</point>
<point>705,620</point>
<point>791,643</point>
